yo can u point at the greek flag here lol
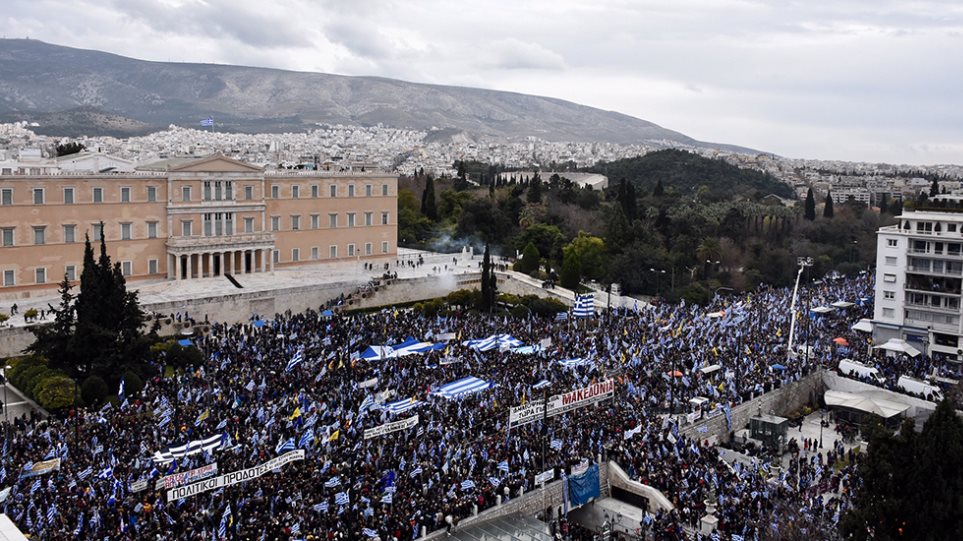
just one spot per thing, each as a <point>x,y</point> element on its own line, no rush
<point>105,473</point>
<point>120,392</point>
<point>556,444</point>
<point>35,487</point>
<point>197,446</point>
<point>286,446</point>
<point>306,438</point>
<point>584,305</point>
<point>320,507</point>
<point>296,360</point>
<point>207,122</point>
<point>341,498</point>
<point>503,466</point>
<point>494,481</point>
<point>80,525</point>
<point>736,537</point>
<point>296,528</point>
<point>368,532</point>
<point>333,482</point>
<point>366,404</point>
<point>51,513</point>
<point>87,472</point>
<point>467,485</point>
<point>387,498</point>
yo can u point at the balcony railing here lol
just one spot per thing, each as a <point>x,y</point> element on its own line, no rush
<point>256,240</point>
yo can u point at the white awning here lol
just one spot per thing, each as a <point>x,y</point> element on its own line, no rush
<point>864,325</point>
<point>842,304</point>
<point>899,346</point>
<point>877,406</point>
<point>822,309</point>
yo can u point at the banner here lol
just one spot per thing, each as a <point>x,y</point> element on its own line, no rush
<point>444,336</point>
<point>561,403</point>
<point>194,447</point>
<point>40,468</point>
<point>585,487</point>
<point>545,476</point>
<point>138,486</point>
<point>183,478</point>
<point>388,428</point>
<point>368,383</point>
<point>234,478</point>
<point>522,415</point>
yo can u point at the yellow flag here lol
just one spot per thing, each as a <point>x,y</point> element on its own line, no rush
<point>396,313</point>
<point>625,332</point>
<point>715,351</point>
<point>459,336</point>
<point>341,363</point>
<point>335,435</point>
<point>447,349</point>
<point>623,357</point>
<point>778,332</point>
<point>296,414</point>
<point>523,399</point>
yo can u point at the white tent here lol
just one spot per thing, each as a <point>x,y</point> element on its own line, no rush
<point>899,346</point>
<point>864,325</point>
<point>822,310</point>
<point>716,315</point>
<point>869,404</point>
<point>842,304</point>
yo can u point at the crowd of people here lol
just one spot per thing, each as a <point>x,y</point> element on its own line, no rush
<point>299,381</point>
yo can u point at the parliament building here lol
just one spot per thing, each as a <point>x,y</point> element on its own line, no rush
<point>187,218</point>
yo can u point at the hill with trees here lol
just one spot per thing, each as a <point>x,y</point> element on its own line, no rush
<point>675,225</point>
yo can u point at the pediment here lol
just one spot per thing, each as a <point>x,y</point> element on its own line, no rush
<point>219,164</point>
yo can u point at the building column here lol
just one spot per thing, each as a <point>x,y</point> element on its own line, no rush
<point>210,264</point>
<point>176,266</point>
<point>271,260</point>
<point>190,266</point>
<point>263,260</point>
<point>227,258</point>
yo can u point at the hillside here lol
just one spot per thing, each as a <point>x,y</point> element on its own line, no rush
<point>40,78</point>
<point>685,172</point>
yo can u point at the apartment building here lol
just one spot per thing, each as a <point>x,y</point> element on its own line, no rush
<point>187,218</point>
<point>919,270</point>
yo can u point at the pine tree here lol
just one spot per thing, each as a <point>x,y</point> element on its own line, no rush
<point>535,190</point>
<point>54,340</point>
<point>809,211</point>
<point>934,188</point>
<point>828,207</point>
<point>428,204</point>
<point>530,258</point>
<point>571,271</point>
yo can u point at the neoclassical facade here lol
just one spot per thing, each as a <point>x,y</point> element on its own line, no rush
<point>190,218</point>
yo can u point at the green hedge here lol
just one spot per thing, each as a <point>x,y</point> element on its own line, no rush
<point>51,389</point>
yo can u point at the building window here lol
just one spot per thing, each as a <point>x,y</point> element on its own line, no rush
<point>126,268</point>
<point>40,275</point>
<point>951,228</point>
<point>350,219</point>
<point>275,191</point>
<point>334,190</point>
<point>295,254</point>
<point>889,278</point>
<point>70,271</point>
<point>295,222</point>
<point>38,196</point>
<point>314,253</point>
<point>152,194</point>
<point>208,225</point>
<point>315,221</point>
<point>332,221</point>
<point>207,190</point>
<point>125,194</point>
<point>333,252</point>
<point>368,218</point>
<point>314,191</point>
<point>68,196</point>
<point>888,312</point>
<point>152,230</point>
<point>125,231</point>
<point>40,235</point>
<point>277,256</point>
<point>185,193</point>
<point>889,295</point>
<point>98,195</point>
<point>249,192</point>
<point>367,248</point>
<point>892,243</point>
<point>275,223</point>
<point>384,247</point>
<point>367,190</point>
<point>8,235</point>
<point>229,190</point>
<point>70,233</point>
<point>384,190</point>
<point>98,231</point>
<point>891,260</point>
<point>9,278</point>
<point>249,225</point>
<point>384,218</point>
<point>217,191</point>
<point>187,228</point>
<point>295,192</point>
<point>151,266</point>
<point>351,250</point>
<point>6,197</point>
<point>350,190</point>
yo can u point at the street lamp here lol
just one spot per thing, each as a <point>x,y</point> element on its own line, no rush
<point>822,415</point>
<point>3,379</point>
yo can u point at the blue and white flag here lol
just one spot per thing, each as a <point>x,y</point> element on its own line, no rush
<point>207,122</point>
<point>306,439</point>
<point>120,392</point>
<point>341,498</point>
<point>584,305</point>
<point>333,482</point>
<point>467,485</point>
<point>414,472</point>
<point>368,532</point>
<point>494,481</point>
<point>296,528</point>
<point>388,498</point>
<point>296,360</point>
<point>285,446</point>
<point>503,466</point>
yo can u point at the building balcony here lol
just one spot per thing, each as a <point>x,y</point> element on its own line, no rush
<point>221,243</point>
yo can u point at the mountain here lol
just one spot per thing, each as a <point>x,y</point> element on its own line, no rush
<point>70,90</point>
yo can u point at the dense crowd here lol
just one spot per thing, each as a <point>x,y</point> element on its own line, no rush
<point>298,382</point>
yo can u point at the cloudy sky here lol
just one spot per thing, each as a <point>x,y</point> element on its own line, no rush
<point>873,80</point>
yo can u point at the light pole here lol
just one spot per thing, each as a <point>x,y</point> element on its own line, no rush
<point>803,262</point>
<point>822,416</point>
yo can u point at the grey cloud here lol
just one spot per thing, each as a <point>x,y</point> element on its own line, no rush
<point>514,54</point>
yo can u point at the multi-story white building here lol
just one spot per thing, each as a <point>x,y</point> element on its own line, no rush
<point>919,270</point>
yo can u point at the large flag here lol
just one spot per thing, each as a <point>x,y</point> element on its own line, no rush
<point>584,305</point>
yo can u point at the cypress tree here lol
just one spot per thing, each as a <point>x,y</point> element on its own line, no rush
<point>809,211</point>
<point>535,190</point>
<point>486,285</point>
<point>659,191</point>
<point>571,271</point>
<point>934,188</point>
<point>828,207</point>
<point>428,205</point>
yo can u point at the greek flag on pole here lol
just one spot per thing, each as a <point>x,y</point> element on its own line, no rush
<point>333,482</point>
<point>286,446</point>
<point>584,305</point>
<point>120,392</point>
<point>368,532</point>
<point>197,446</point>
<point>467,485</point>
<point>207,122</point>
<point>341,498</point>
<point>296,360</point>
